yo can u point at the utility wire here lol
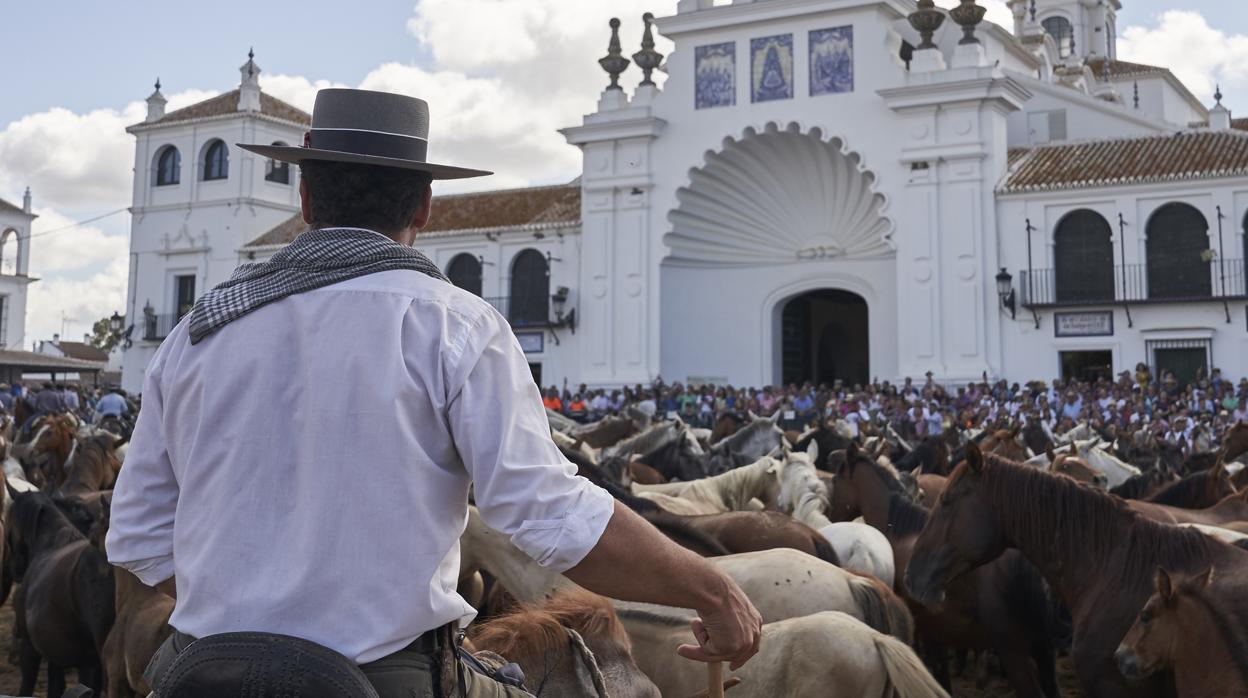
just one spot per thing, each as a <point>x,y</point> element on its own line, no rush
<point>79,224</point>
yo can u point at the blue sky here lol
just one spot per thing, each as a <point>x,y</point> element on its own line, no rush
<point>79,70</point>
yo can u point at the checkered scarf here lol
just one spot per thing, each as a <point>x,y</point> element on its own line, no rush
<point>315,259</point>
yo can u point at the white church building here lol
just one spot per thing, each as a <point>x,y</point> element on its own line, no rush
<point>821,190</point>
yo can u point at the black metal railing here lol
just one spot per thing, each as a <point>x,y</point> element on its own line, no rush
<point>157,327</point>
<point>1204,281</point>
<point>530,312</point>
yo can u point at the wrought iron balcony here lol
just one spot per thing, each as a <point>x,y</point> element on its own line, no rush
<point>157,327</point>
<point>1216,280</point>
<point>533,312</point>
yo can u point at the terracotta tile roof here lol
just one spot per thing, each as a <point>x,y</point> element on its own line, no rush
<point>1016,154</point>
<point>1123,69</point>
<point>1181,156</point>
<point>227,103</point>
<point>533,207</point>
<point>1239,124</point>
<point>81,351</point>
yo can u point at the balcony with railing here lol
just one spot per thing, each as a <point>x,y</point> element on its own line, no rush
<point>157,327</point>
<point>1214,280</point>
<point>534,312</point>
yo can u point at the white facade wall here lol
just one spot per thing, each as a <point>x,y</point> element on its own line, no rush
<point>196,226</point>
<point>15,229</point>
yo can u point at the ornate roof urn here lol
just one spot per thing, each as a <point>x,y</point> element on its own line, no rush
<point>968,15</point>
<point>614,62</point>
<point>926,20</point>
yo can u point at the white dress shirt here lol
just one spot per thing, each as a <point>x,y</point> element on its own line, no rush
<point>306,469</point>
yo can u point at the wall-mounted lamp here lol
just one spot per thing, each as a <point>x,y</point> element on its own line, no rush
<point>1005,290</point>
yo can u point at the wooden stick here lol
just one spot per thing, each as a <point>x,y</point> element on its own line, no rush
<point>715,679</point>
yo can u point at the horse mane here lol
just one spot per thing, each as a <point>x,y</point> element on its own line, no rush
<point>904,516</point>
<point>1187,493</point>
<point>595,474</point>
<point>533,630</point>
<point>682,532</point>
<point>890,481</point>
<point>1086,521</point>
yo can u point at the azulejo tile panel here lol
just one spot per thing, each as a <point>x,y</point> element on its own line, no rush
<point>831,61</point>
<point>771,68</point>
<point>715,75</point>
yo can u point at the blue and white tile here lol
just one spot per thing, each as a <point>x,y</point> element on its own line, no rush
<point>771,68</point>
<point>831,61</point>
<point>715,75</point>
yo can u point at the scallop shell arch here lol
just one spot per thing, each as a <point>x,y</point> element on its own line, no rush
<point>778,196</point>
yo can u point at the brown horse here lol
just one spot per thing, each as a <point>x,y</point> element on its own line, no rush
<point>93,467</point>
<point>49,450</point>
<point>1231,509</point>
<point>1001,606</point>
<point>1195,631</point>
<point>748,531</point>
<point>1094,552</point>
<point>141,625</point>
<point>571,645</point>
<point>1196,491</point>
<point>67,592</point>
<point>725,425</point>
<point>1235,441</point>
<point>606,432</point>
<point>643,474</point>
<point>1145,484</point>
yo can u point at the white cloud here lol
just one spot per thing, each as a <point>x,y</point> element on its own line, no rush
<point>80,301</point>
<point>76,161</point>
<point>70,249</point>
<point>1198,54</point>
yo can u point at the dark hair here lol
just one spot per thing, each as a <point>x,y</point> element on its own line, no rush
<point>384,199</point>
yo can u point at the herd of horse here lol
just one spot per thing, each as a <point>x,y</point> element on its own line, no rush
<point>879,567</point>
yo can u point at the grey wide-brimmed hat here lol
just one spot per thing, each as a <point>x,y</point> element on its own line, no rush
<point>367,128</point>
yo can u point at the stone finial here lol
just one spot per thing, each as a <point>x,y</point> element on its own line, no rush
<point>26,202</point>
<point>249,84</point>
<point>614,62</point>
<point>926,20</point>
<point>968,15</point>
<point>1217,95</point>
<point>1105,69</point>
<point>1033,11</point>
<point>647,58</point>
<point>155,105</point>
<point>1219,116</point>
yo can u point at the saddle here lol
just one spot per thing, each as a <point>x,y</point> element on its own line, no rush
<point>262,665</point>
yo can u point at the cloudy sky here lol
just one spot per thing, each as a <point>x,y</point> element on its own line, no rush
<point>502,76</point>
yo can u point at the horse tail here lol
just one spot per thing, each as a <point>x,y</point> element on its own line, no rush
<point>907,677</point>
<point>823,548</point>
<point>881,608</point>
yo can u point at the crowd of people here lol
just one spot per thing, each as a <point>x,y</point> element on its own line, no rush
<point>1133,401</point>
<point>91,403</point>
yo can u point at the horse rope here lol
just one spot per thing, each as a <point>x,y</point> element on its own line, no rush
<point>587,656</point>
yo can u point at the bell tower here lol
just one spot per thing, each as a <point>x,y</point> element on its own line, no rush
<point>1083,29</point>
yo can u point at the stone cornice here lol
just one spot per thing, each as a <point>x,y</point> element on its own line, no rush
<point>144,127</point>
<point>731,16</point>
<point>598,128</point>
<point>978,85</point>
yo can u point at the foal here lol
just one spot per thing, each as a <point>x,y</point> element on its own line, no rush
<point>1189,628</point>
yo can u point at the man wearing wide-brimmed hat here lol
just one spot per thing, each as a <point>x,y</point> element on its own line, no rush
<point>328,513</point>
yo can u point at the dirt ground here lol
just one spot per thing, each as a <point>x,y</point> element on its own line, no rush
<point>11,677</point>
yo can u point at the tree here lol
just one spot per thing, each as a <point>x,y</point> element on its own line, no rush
<point>104,337</point>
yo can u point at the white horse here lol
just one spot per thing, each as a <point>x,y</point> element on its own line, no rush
<point>782,583</point>
<point>731,491</point>
<point>1225,535</point>
<point>825,654</point>
<point>1093,452</point>
<point>564,441</point>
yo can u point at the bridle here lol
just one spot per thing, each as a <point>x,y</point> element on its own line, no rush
<point>586,657</point>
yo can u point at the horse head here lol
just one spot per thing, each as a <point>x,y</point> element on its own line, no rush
<point>1164,624</point>
<point>961,534</point>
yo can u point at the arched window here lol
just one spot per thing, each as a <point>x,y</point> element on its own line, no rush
<point>1059,28</point>
<point>465,272</point>
<point>9,249</point>
<point>530,289</point>
<point>276,170</point>
<point>1178,242</point>
<point>1083,251</point>
<point>168,166</point>
<point>216,160</point>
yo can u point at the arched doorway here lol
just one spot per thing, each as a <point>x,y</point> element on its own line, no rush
<point>824,338</point>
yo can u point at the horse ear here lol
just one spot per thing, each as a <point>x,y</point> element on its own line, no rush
<point>1048,451</point>
<point>753,417</point>
<point>918,470</point>
<point>974,458</point>
<point>1201,581</point>
<point>812,451</point>
<point>1161,581</point>
<point>1016,430</point>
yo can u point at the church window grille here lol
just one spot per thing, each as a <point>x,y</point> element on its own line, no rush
<point>1084,258</point>
<point>529,303</point>
<point>1063,33</point>
<point>1178,253</point>
<point>168,166</point>
<point>216,161</point>
<point>464,271</point>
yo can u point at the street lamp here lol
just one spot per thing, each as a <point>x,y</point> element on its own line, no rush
<point>1005,289</point>
<point>560,298</point>
<point>115,322</point>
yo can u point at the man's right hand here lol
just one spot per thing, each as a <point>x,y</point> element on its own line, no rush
<point>729,632</point>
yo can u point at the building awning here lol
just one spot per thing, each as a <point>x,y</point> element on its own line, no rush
<point>32,362</point>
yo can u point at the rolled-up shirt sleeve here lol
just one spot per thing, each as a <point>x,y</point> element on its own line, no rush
<point>523,485</point>
<point>145,498</point>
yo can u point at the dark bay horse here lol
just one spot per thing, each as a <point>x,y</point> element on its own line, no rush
<point>1001,606</point>
<point>142,624</point>
<point>749,531</point>
<point>1232,509</point>
<point>1098,555</point>
<point>1199,490</point>
<point>931,456</point>
<point>67,592</point>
